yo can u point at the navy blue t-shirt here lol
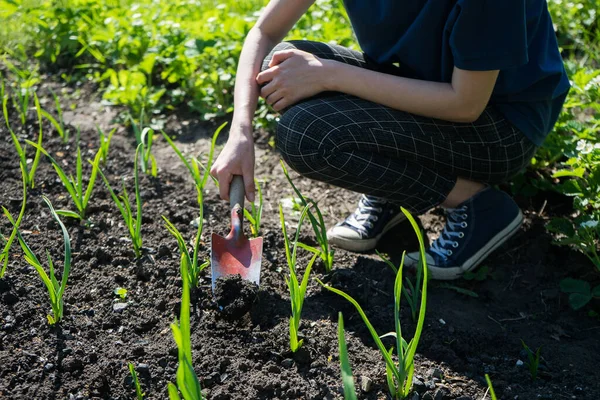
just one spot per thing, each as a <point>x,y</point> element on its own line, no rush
<point>429,37</point>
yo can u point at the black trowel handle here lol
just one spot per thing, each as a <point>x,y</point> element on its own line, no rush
<point>236,192</point>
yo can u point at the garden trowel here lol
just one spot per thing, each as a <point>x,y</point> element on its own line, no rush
<point>236,254</point>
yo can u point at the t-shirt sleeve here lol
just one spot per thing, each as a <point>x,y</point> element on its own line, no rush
<point>489,35</point>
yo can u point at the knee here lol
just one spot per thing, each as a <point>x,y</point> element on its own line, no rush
<point>297,138</point>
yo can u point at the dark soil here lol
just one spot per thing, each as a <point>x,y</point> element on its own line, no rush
<point>235,295</point>
<point>472,327</point>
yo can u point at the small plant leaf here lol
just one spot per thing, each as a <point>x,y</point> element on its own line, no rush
<point>578,300</point>
<point>570,285</point>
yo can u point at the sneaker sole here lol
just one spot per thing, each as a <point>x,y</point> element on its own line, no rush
<point>451,273</point>
<point>359,245</point>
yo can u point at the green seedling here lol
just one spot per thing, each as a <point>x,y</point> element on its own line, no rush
<point>297,290</point>
<point>193,165</point>
<point>255,216</point>
<point>144,138</point>
<point>399,375</point>
<point>5,252</point>
<point>105,143</point>
<point>347,379</point>
<point>533,360</point>
<point>490,387</point>
<point>580,292</point>
<point>21,150</point>
<point>194,267</point>
<point>134,224</point>
<point>21,103</point>
<point>121,292</point>
<point>59,124</point>
<point>187,380</point>
<point>318,225</point>
<point>136,382</point>
<point>56,290</point>
<point>74,185</point>
<point>411,291</point>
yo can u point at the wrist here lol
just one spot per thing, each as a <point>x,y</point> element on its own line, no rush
<point>331,69</point>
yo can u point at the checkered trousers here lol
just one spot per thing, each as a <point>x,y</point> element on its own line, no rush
<point>410,160</point>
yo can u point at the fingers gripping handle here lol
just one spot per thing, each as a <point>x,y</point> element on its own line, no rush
<point>236,192</point>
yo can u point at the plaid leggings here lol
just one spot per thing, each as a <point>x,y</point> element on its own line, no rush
<point>410,160</point>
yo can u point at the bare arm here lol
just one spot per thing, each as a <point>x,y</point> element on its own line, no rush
<point>295,75</point>
<point>237,157</point>
<point>274,23</point>
<point>462,100</point>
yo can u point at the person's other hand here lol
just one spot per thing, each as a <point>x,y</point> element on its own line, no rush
<point>236,158</point>
<point>293,75</point>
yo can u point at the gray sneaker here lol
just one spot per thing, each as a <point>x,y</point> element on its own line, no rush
<point>362,230</point>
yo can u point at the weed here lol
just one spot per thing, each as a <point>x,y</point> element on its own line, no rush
<point>533,360</point>
<point>297,290</point>
<point>399,376</point>
<point>318,224</point>
<point>347,379</point>
<point>580,292</point>
<point>56,290</point>
<point>121,292</point>
<point>134,224</point>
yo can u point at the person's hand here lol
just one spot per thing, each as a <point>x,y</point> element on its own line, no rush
<point>293,75</point>
<point>236,158</point>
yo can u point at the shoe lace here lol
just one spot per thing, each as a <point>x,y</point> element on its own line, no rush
<point>368,211</point>
<point>456,220</point>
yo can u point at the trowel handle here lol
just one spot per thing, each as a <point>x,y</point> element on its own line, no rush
<point>236,192</point>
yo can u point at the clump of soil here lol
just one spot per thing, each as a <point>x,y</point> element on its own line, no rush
<point>235,295</point>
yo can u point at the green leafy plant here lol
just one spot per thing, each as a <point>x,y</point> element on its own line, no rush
<point>134,224</point>
<point>297,289</point>
<point>136,382</point>
<point>490,387</point>
<point>105,140</point>
<point>56,290</point>
<point>75,185</point>
<point>22,150</point>
<point>193,165</point>
<point>187,380</point>
<point>318,225</point>
<point>533,360</point>
<point>121,292</point>
<point>144,137</point>
<point>194,267</point>
<point>580,292</point>
<point>399,375</point>
<point>5,252</point>
<point>347,379</point>
<point>255,215</point>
